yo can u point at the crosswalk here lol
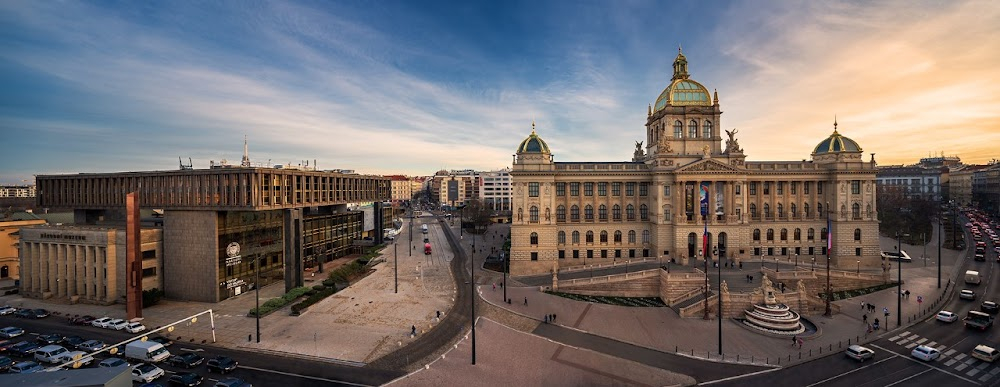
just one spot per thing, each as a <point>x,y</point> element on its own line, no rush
<point>959,362</point>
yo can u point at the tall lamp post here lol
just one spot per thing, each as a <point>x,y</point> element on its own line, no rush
<point>256,287</point>
<point>719,312</point>
<point>939,238</point>
<point>395,266</point>
<point>472,284</point>
<point>776,269</point>
<point>829,247</point>
<point>899,278</point>
<point>796,262</point>
<point>411,233</point>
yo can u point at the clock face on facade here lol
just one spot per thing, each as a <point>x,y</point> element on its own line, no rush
<point>233,249</point>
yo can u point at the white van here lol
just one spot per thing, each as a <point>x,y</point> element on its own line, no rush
<point>50,353</point>
<point>984,353</point>
<point>972,277</point>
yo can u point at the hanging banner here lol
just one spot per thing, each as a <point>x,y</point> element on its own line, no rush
<point>719,198</point>
<point>703,197</point>
<point>688,199</point>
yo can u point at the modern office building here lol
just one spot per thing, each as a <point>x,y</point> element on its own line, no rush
<point>220,228</point>
<point>495,190</point>
<point>17,191</point>
<point>986,188</point>
<point>576,213</point>
<point>912,181</point>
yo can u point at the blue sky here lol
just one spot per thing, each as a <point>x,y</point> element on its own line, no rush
<point>386,87</point>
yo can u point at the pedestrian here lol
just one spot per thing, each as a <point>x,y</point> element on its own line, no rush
<point>439,314</point>
<point>751,278</point>
<point>501,285</point>
<point>553,317</point>
<point>546,319</point>
<point>494,286</point>
<point>800,343</point>
<point>863,304</point>
<point>413,330</point>
<point>907,294</point>
<point>526,301</point>
<point>795,340</point>
<point>741,265</point>
<point>865,318</point>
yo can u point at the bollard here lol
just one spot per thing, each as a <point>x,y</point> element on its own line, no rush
<point>820,350</point>
<point>810,353</point>
<point>675,349</point>
<point>848,341</point>
<point>800,356</point>
<point>692,351</point>
<point>831,347</point>
<point>767,360</point>
<point>751,359</point>
<point>840,344</point>
<point>723,357</point>
<point>737,358</point>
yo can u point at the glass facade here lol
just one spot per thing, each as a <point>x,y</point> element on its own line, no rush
<point>327,237</point>
<point>259,235</point>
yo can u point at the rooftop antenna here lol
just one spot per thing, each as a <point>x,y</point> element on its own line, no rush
<point>246,153</point>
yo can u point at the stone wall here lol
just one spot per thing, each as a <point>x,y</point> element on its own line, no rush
<point>644,283</point>
<point>190,256</point>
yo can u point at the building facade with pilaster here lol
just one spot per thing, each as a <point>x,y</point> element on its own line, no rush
<point>686,178</point>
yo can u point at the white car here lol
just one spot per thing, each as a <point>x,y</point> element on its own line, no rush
<point>70,356</point>
<point>145,373</point>
<point>947,316</point>
<point>101,322</point>
<point>967,294</point>
<point>11,332</point>
<point>7,309</point>
<point>134,327</point>
<point>117,324</point>
<point>925,353</point>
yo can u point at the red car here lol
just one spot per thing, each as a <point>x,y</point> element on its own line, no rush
<point>82,320</point>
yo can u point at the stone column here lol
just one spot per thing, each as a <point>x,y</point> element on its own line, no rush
<point>100,263</point>
<point>88,272</point>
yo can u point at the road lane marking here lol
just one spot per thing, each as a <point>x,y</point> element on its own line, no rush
<point>972,372</point>
<point>921,341</point>
<point>911,377</point>
<point>932,344</point>
<point>950,352</point>
<point>738,376</point>
<point>950,362</point>
<point>994,371</point>
<point>914,336</point>
<point>303,376</point>
<point>961,367</point>
<point>985,377</point>
<point>960,356</point>
<point>911,345</point>
<point>894,338</point>
<point>926,364</point>
<point>970,361</point>
<point>854,370</point>
<point>903,342</point>
<point>983,366</point>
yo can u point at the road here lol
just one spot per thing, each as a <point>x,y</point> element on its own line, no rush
<point>893,365</point>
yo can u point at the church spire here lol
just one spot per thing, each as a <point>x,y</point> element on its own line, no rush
<point>680,66</point>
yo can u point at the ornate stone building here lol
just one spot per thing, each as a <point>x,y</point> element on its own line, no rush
<point>577,213</point>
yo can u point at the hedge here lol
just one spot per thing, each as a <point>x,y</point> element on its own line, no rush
<point>278,302</point>
<point>319,295</point>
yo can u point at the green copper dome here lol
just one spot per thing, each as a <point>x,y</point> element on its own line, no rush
<point>533,144</point>
<point>682,90</point>
<point>836,143</point>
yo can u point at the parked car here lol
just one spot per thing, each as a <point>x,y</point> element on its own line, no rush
<point>947,316</point>
<point>967,294</point>
<point>186,379</point>
<point>52,338</point>
<point>925,353</point>
<point>82,320</point>
<point>26,367</point>
<point>222,364</point>
<point>91,345</point>
<point>79,356</point>
<point>7,309</point>
<point>5,363</point>
<point>117,324</point>
<point>186,360</point>
<point>112,362</point>
<point>989,307</point>
<point>11,332</point>
<point>232,382</point>
<point>134,327</point>
<point>24,348</point>
<point>7,344</point>
<point>162,340</point>
<point>145,373</point>
<point>39,313</point>
<point>24,313</point>
<point>101,322</point>
<point>859,353</point>
<point>73,341</point>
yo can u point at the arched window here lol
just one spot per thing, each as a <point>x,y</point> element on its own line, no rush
<point>706,131</point>
<point>588,213</point>
<point>643,212</point>
<point>781,211</point>
<point>811,234</point>
<point>770,234</point>
<point>604,236</point>
<point>822,233</point>
<point>533,214</point>
<point>618,236</point>
<point>616,213</point>
<point>576,237</point>
<point>856,211</point>
<point>630,212</point>
<point>819,209</point>
<point>805,210</point>
<point>678,129</point>
<point>590,237</point>
<point>753,210</point>
<point>561,213</point>
<point>784,234</point>
<point>602,213</point>
<point>798,234</point>
<point>534,238</point>
<point>693,129</point>
<point>795,211</point>
<point>631,236</point>
<point>562,237</point>
<point>857,234</point>
<point>767,210</point>
<point>574,213</point>
<point>756,234</point>
<point>645,236</point>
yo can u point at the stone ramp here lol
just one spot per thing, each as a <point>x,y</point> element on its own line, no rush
<point>699,297</point>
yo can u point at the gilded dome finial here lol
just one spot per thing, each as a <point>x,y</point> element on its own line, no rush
<point>532,126</point>
<point>834,123</point>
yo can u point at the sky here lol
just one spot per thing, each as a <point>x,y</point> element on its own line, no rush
<point>412,87</point>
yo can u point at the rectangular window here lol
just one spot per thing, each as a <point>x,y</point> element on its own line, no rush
<point>856,187</point>
<point>753,188</point>
<point>805,187</point>
<point>148,272</point>
<point>533,190</point>
<point>618,253</point>
<point>604,253</point>
<point>588,189</point>
<point>666,190</point>
<point>560,189</point>
<point>795,187</point>
<point>574,189</point>
<point>629,189</point>
<point>590,253</point>
<point>576,253</point>
<point>534,256</point>
<point>643,189</point>
<point>812,250</point>
<point>149,254</point>
<point>781,188</point>
<point>767,188</point>
<point>602,189</point>
<point>819,187</point>
<point>631,253</point>
<point>756,251</point>
<point>823,251</point>
<point>857,251</point>
<point>739,212</point>
<point>616,189</point>
<point>738,190</point>
<point>562,254</point>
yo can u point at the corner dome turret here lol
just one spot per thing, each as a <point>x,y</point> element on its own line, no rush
<point>836,143</point>
<point>533,144</point>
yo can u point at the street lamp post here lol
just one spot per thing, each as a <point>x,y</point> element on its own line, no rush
<point>829,240</point>
<point>899,278</point>
<point>395,266</point>
<point>719,312</point>
<point>776,269</point>
<point>796,262</point>
<point>939,238</point>
<point>472,284</point>
<point>859,267</point>
<point>256,287</point>
<point>814,264</point>
<point>701,253</point>
<point>411,233</point>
